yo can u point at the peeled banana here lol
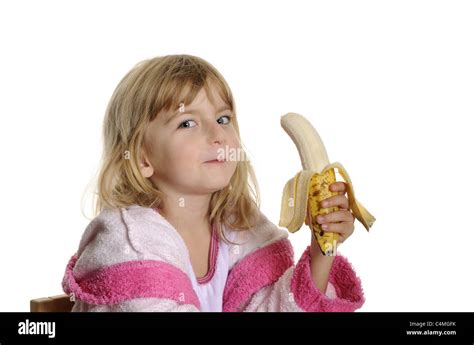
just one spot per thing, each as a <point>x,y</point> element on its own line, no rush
<point>304,192</point>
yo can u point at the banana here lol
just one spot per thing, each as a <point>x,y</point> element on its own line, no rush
<point>304,192</point>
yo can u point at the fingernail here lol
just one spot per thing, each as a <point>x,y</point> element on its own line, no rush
<point>320,219</point>
<point>324,226</point>
<point>324,203</point>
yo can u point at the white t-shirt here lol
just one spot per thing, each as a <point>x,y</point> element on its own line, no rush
<point>210,288</point>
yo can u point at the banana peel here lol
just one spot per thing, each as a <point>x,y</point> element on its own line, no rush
<point>303,193</point>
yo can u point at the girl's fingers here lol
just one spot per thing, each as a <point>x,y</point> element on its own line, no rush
<point>342,221</point>
<point>338,216</point>
<point>338,186</point>
<point>336,200</point>
<point>344,229</point>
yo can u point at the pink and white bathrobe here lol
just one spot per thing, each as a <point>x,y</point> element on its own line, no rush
<point>133,259</point>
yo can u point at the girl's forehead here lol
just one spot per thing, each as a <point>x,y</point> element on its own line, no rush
<point>202,99</point>
<point>212,96</point>
<point>195,109</point>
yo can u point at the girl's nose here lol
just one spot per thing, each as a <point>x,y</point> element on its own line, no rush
<point>216,133</point>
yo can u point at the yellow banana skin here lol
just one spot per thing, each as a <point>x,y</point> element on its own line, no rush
<point>304,192</point>
<point>319,190</point>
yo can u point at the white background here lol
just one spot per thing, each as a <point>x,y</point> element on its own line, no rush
<point>389,86</point>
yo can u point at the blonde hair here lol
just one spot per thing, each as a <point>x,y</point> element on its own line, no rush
<point>154,85</point>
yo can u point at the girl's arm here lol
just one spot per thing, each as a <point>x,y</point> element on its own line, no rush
<point>138,285</point>
<point>137,305</point>
<point>127,261</point>
<point>320,267</point>
<point>264,278</point>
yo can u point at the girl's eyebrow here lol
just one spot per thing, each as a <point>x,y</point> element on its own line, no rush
<point>190,111</point>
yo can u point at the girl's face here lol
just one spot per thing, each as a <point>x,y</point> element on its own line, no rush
<point>183,147</point>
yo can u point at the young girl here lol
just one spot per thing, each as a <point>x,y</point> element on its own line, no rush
<point>178,225</point>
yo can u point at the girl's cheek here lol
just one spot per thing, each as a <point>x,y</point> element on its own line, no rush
<point>233,139</point>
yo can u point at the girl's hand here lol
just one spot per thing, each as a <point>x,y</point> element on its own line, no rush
<point>341,221</point>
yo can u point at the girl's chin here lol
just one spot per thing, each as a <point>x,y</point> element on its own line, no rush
<point>215,187</point>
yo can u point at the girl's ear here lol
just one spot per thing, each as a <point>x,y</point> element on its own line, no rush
<point>146,168</point>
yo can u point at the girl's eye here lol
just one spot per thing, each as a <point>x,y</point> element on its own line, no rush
<point>182,123</point>
<point>229,117</point>
<point>187,121</point>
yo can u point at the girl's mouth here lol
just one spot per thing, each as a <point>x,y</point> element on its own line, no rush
<point>215,161</point>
